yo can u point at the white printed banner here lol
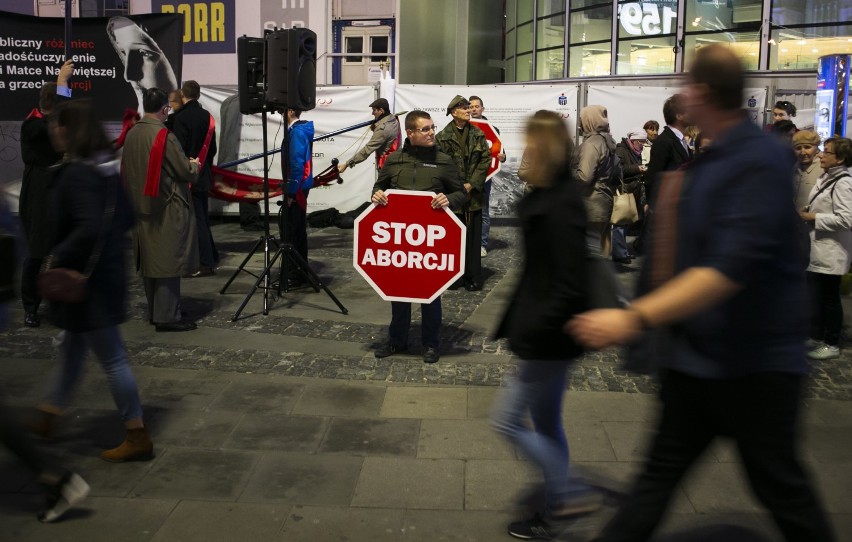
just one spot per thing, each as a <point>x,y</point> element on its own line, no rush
<point>507,107</point>
<point>337,108</point>
<point>631,107</point>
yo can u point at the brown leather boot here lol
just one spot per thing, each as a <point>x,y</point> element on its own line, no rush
<point>41,423</point>
<point>136,447</point>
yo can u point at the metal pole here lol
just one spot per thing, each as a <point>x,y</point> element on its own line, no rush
<point>67,30</point>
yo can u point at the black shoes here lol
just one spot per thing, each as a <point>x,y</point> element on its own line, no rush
<point>472,285</point>
<point>562,522</point>
<point>202,272</point>
<point>430,355</point>
<point>181,325</point>
<point>468,284</point>
<point>254,226</point>
<point>388,349</point>
<point>623,261</point>
<point>31,319</point>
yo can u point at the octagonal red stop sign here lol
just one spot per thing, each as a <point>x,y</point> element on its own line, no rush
<point>495,144</point>
<point>407,250</point>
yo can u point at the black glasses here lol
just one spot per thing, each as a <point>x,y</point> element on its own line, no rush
<point>425,129</point>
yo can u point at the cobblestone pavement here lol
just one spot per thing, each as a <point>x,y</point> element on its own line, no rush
<point>331,257</point>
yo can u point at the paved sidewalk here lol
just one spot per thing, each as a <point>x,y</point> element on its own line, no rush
<point>285,428</point>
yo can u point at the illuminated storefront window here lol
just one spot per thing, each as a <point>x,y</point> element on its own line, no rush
<point>590,36</point>
<point>804,30</point>
<point>542,35</point>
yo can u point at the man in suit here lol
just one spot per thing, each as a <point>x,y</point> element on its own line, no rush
<point>669,150</point>
<point>193,127</point>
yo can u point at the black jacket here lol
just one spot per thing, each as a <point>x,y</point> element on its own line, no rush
<point>554,279</point>
<point>38,155</point>
<point>78,208</point>
<point>190,126</point>
<point>667,154</point>
<point>422,168</point>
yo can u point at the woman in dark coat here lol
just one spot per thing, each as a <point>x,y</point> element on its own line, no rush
<point>38,156</point>
<point>91,212</point>
<point>550,291</point>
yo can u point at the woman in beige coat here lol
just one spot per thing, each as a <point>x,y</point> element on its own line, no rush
<point>597,169</point>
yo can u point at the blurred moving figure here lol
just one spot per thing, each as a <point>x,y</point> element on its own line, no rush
<point>551,289</point>
<point>721,294</point>
<point>64,489</point>
<point>91,215</point>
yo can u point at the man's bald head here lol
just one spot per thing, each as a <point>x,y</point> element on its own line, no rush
<point>720,71</point>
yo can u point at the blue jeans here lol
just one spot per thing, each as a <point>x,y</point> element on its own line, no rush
<point>619,243</point>
<point>430,314</point>
<point>112,355</point>
<point>486,215</point>
<point>538,390</point>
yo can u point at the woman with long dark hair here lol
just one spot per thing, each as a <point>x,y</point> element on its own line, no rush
<point>91,215</point>
<point>550,291</point>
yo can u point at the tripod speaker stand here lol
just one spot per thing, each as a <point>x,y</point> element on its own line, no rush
<point>297,62</point>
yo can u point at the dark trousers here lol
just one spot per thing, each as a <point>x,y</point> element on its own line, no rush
<point>29,289</point>
<point>826,308</point>
<point>430,315</point>
<point>250,214</point>
<point>473,244</point>
<point>759,412</point>
<point>297,229</point>
<point>13,438</point>
<point>208,256</point>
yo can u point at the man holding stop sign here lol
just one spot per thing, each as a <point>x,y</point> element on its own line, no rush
<point>419,166</point>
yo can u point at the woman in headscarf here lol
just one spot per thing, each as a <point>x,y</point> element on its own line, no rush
<point>598,171</point>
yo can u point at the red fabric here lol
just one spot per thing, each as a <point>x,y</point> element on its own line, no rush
<point>202,154</point>
<point>231,186</point>
<point>301,198</point>
<point>155,164</point>
<point>35,114</point>
<point>380,160</point>
<point>129,120</point>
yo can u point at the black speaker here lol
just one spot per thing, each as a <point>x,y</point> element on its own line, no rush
<point>252,73</point>
<point>291,69</point>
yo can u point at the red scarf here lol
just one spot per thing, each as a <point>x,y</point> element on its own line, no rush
<point>155,164</point>
<point>35,114</point>
<point>202,155</point>
<point>128,122</point>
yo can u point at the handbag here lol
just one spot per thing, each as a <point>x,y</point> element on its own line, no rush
<point>624,209</point>
<point>66,285</point>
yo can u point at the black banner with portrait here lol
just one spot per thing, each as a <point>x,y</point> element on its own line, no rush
<point>116,59</point>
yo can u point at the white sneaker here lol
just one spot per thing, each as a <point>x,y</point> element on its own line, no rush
<point>812,344</point>
<point>482,252</point>
<point>70,491</point>
<point>824,352</point>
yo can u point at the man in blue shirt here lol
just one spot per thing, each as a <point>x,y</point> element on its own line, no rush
<point>724,282</point>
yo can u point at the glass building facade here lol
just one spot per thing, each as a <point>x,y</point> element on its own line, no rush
<point>557,39</point>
